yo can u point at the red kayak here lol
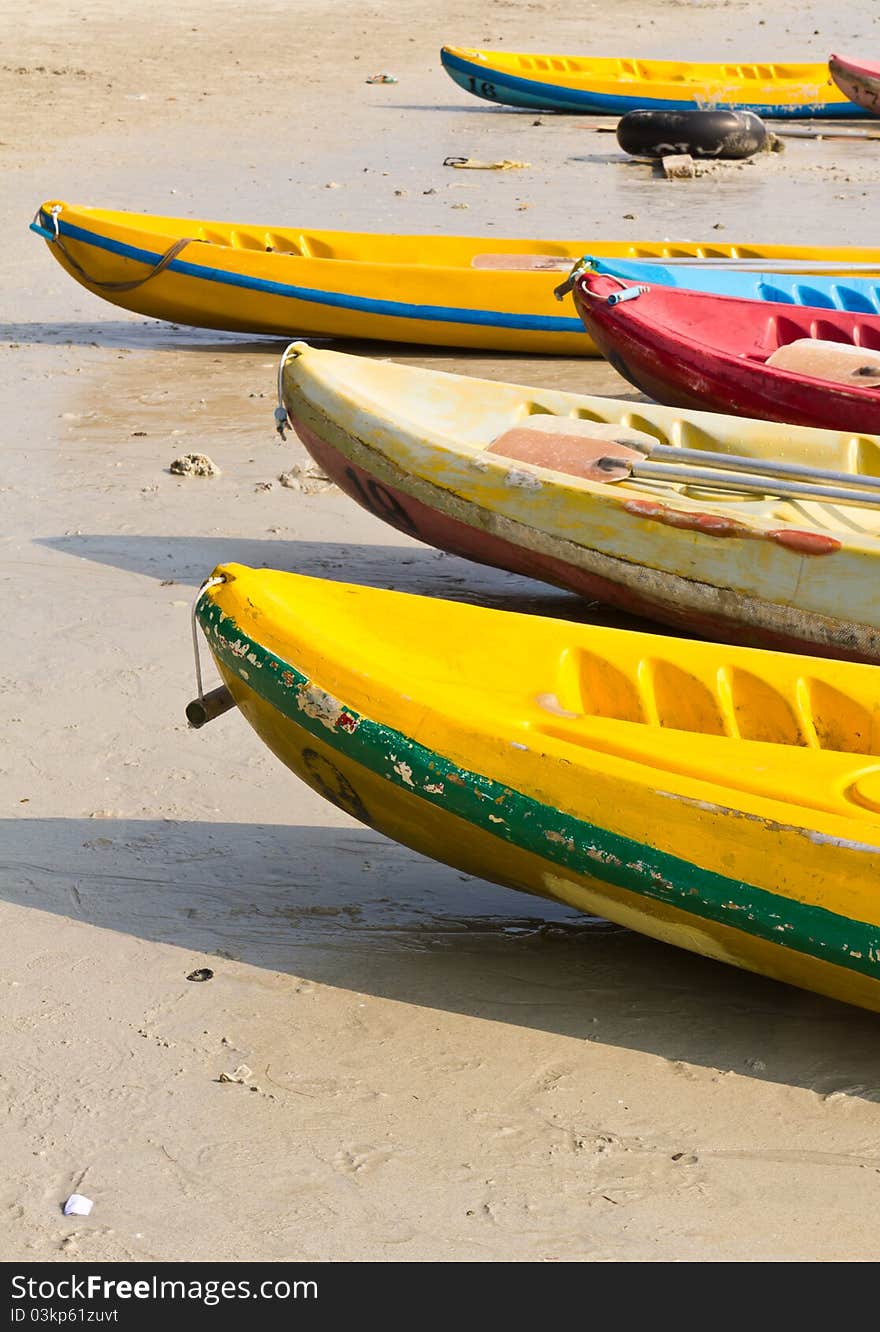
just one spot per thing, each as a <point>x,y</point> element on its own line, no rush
<point>787,363</point>
<point>859,80</point>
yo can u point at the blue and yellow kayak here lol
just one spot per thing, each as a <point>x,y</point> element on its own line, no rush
<point>449,291</point>
<point>722,799</point>
<point>614,85</point>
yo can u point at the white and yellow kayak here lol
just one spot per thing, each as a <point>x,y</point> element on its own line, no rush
<point>727,527</point>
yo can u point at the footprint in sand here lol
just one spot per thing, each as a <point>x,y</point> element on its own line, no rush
<point>361,1160</point>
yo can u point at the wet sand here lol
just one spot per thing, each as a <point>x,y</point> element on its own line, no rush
<point>439,1069</point>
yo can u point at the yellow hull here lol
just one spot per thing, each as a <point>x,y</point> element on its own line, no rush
<point>720,799</point>
<point>442,290</point>
<point>616,85</point>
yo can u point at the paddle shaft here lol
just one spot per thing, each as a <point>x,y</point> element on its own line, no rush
<point>732,462</point>
<point>718,480</point>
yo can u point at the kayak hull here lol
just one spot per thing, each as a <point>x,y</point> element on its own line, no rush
<point>415,449</point>
<point>859,81</point>
<point>284,282</point>
<point>512,793</point>
<point>614,87</point>
<point>696,350</point>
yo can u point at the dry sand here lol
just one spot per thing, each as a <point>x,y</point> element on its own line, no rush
<point>440,1069</point>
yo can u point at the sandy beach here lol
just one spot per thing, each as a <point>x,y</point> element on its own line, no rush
<point>419,1066</point>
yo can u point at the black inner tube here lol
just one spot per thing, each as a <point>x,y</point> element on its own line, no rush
<point>721,134</point>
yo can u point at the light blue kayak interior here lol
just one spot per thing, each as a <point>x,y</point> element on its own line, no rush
<point>859,295</point>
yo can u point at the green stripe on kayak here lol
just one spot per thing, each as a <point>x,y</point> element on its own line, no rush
<point>522,821</point>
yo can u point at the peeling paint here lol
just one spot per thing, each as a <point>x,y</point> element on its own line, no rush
<point>805,543</point>
<point>710,524</point>
<point>811,834</point>
<point>515,476</point>
<point>403,770</point>
<point>553,836</point>
<point>606,858</point>
<point>719,525</point>
<point>316,703</point>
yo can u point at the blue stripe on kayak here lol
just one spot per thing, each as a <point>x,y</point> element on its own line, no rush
<point>339,300</point>
<point>854,295</point>
<point>545,96</point>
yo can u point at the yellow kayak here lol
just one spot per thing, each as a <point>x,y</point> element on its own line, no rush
<point>722,799</point>
<point>706,541</point>
<point>456,291</point>
<point>614,85</point>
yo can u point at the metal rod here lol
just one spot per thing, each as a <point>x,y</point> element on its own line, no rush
<point>712,480</point>
<point>213,704</point>
<point>733,462</point>
<point>823,132</point>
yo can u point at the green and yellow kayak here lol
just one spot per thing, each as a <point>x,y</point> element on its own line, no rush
<point>726,800</point>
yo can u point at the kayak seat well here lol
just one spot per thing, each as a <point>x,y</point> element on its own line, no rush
<point>865,456</point>
<point>832,360</point>
<point>260,239</point>
<point>733,702</point>
<point>785,329</point>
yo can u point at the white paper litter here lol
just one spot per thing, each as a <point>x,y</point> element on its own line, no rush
<point>77,1205</point>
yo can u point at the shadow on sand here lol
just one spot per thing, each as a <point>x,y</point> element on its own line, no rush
<point>347,908</point>
<point>156,335</point>
<point>406,568</point>
<point>143,335</point>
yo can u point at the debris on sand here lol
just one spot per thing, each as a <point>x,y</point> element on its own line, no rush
<point>241,1075</point>
<point>194,464</point>
<point>682,166</point>
<point>308,480</point>
<point>471,164</point>
<point>77,1205</point>
<point>679,166</point>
